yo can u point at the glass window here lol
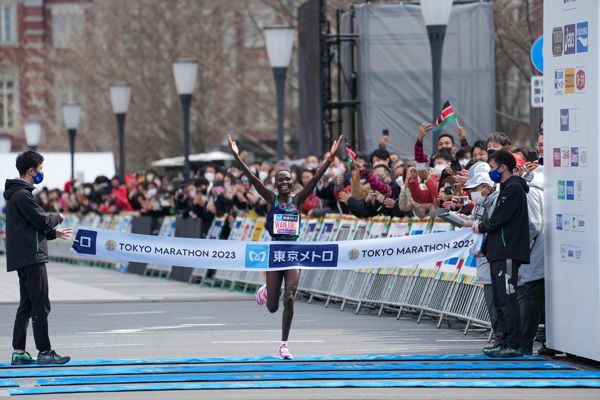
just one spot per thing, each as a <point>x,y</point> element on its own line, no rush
<point>8,96</point>
<point>67,25</point>
<point>8,22</point>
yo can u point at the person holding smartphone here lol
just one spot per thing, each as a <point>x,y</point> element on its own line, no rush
<point>445,142</point>
<point>385,139</point>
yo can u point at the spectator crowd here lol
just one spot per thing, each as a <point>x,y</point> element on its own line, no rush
<point>379,183</point>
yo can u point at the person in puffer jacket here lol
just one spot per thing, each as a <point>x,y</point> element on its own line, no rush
<point>531,276</point>
<point>28,228</point>
<point>507,248</point>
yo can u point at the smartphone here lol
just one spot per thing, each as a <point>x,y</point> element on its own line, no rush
<point>455,166</point>
<point>386,132</point>
<point>422,166</point>
<point>457,188</point>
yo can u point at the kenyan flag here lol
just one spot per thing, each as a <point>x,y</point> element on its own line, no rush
<point>446,116</point>
<point>351,156</point>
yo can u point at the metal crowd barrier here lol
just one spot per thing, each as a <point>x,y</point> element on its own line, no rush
<point>445,291</point>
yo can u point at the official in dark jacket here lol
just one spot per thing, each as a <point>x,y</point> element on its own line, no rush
<point>28,228</point>
<point>506,247</point>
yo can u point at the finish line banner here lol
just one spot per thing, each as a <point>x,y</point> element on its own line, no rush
<point>239,255</point>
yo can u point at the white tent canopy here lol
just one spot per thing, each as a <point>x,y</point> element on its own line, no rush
<point>57,168</point>
<point>201,157</point>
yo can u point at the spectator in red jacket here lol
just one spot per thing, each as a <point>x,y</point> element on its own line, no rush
<point>120,194</point>
<point>312,202</point>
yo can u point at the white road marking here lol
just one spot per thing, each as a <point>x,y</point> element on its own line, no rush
<point>150,328</point>
<point>461,340</point>
<point>127,313</point>
<point>265,341</point>
<point>100,345</point>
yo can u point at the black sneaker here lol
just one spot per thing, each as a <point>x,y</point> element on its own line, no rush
<point>52,358</point>
<point>544,351</point>
<point>505,352</point>
<point>22,359</point>
<point>495,347</point>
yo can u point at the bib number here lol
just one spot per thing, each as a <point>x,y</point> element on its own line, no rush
<point>286,224</point>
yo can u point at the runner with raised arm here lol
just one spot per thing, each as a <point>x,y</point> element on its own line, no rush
<point>283,224</point>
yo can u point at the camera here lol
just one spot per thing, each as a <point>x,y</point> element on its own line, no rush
<point>462,200</point>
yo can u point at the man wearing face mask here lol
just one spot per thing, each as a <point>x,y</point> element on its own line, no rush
<point>445,142</point>
<point>506,248</point>
<point>484,194</point>
<point>28,228</point>
<point>209,173</point>
<point>312,162</point>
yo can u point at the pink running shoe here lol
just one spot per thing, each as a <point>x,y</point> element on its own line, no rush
<point>261,295</point>
<point>284,353</point>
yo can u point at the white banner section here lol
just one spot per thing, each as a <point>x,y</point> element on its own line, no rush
<point>240,255</point>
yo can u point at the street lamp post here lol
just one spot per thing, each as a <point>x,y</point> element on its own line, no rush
<point>436,14</point>
<point>185,72</point>
<point>33,133</point>
<point>279,40</point>
<point>120,95</point>
<point>71,119</point>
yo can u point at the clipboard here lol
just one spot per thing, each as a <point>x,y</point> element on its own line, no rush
<point>451,217</point>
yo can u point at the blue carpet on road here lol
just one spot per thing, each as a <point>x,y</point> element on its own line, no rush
<point>371,371</point>
<point>265,359</point>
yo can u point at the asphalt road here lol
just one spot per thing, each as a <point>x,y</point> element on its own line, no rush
<point>234,326</point>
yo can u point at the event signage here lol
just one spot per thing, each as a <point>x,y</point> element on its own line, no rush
<point>241,255</point>
<point>571,179</point>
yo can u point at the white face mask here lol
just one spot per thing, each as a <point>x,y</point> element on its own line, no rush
<point>150,178</point>
<point>464,162</point>
<point>210,176</point>
<point>262,175</point>
<point>438,169</point>
<point>337,171</point>
<point>477,197</point>
<point>151,193</point>
<point>312,166</point>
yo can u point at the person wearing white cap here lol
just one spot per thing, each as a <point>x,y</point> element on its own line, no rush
<point>484,194</point>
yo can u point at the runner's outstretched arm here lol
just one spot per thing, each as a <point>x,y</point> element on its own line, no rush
<point>310,186</point>
<point>265,193</point>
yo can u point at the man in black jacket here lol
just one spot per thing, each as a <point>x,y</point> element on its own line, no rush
<point>506,247</point>
<point>28,228</point>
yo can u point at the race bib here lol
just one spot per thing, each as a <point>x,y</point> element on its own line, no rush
<point>286,224</point>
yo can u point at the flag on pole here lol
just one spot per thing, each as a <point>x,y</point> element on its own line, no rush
<point>446,116</point>
<point>351,156</point>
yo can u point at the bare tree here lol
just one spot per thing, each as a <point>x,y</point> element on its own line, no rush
<point>517,24</point>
